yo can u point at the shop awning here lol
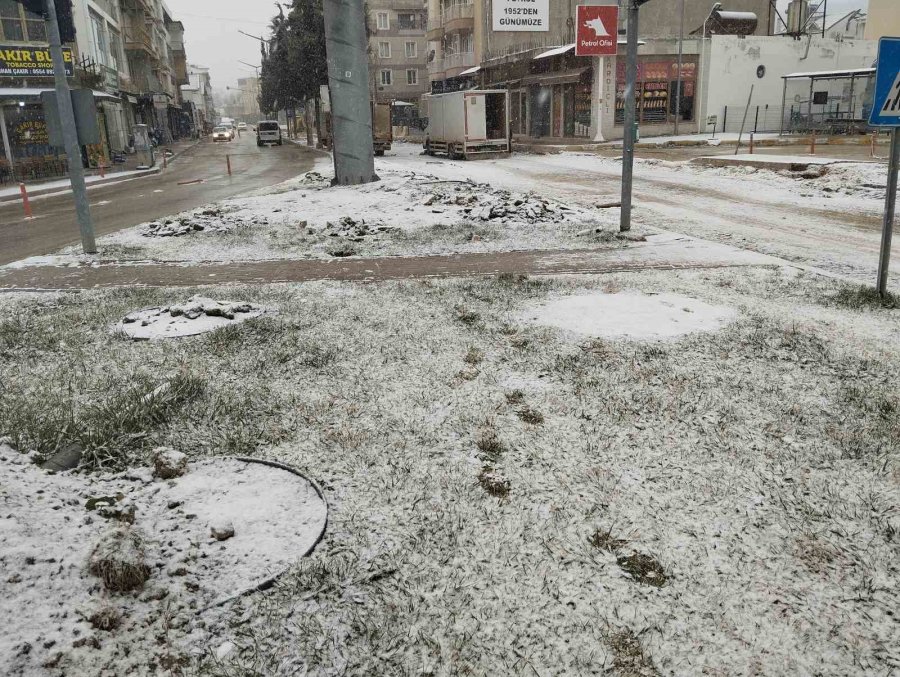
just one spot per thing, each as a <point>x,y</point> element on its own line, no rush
<point>556,51</point>
<point>471,71</point>
<point>24,93</point>
<point>564,78</point>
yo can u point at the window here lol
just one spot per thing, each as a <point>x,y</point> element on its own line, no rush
<point>387,77</point>
<point>410,49</point>
<point>98,34</point>
<point>115,49</point>
<point>412,76</point>
<point>384,50</point>
<point>383,22</point>
<point>406,21</point>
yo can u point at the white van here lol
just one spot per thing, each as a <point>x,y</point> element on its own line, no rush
<point>268,131</point>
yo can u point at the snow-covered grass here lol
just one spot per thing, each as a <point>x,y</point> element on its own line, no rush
<point>509,498</point>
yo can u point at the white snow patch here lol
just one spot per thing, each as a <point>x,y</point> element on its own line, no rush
<point>46,533</point>
<point>630,314</point>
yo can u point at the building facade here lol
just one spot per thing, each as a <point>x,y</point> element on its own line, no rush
<point>883,19</point>
<point>198,95</point>
<point>397,50</point>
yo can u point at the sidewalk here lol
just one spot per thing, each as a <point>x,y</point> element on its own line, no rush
<point>660,252</point>
<point>127,172</point>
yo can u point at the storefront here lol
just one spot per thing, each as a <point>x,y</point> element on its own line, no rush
<point>551,92</point>
<point>656,89</point>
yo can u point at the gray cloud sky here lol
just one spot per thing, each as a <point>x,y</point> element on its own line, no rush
<point>212,38</point>
<point>211,31</point>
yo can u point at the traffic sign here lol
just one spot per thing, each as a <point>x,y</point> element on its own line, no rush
<point>598,30</point>
<point>886,108</point>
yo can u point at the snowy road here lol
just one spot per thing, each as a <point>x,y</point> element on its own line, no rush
<point>197,178</point>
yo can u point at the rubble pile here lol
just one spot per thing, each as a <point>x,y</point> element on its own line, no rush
<point>481,202</point>
<point>210,220</point>
<point>196,316</point>
<point>354,230</point>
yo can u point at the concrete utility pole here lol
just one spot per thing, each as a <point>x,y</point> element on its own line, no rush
<point>630,115</point>
<point>70,132</point>
<point>348,78</point>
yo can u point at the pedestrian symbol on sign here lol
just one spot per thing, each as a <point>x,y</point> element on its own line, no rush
<point>891,106</point>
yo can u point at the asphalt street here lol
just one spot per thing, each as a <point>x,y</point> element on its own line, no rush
<point>196,178</point>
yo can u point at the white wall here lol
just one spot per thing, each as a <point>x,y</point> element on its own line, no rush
<point>730,67</point>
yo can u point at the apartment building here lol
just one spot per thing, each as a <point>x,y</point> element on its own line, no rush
<point>198,95</point>
<point>397,50</point>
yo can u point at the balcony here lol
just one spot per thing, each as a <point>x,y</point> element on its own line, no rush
<point>435,30</point>
<point>457,17</point>
<point>452,64</point>
<point>139,40</point>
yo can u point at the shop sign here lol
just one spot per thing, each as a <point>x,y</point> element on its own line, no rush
<point>598,30</point>
<point>31,62</point>
<point>30,132</point>
<point>522,15</point>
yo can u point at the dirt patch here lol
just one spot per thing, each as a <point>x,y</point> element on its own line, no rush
<point>643,569</point>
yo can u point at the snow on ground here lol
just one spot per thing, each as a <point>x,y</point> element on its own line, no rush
<point>51,522</point>
<point>631,314</point>
<point>505,499</point>
<point>198,315</point>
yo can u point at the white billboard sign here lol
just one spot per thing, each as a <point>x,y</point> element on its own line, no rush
<point>522,15</point>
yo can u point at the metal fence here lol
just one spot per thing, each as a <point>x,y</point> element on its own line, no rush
<point>765,118</point>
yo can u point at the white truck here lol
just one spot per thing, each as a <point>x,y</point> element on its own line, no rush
<point>468,124</point>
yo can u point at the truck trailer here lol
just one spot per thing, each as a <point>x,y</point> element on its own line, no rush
<point>468,124</point>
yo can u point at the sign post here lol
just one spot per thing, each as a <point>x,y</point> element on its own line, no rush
<point>886,113</point>
<point>630,113</point>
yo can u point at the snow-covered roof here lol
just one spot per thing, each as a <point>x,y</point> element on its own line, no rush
<point>556,51</point>
<point>824,75</point>
<point>471,71</point>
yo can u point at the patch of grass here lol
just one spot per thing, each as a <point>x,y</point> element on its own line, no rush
<point>869,423</point>
<point>490,447</point>
<point>864,297</point>
<point>109,427</point>
<point>466,316</point>
<point>515,397</point>
<point>530,416</point>
<point>643,569</point>
<point>604,540</point>
<point>493,482</point>
<point>629,659</point>
<point>474,356</point>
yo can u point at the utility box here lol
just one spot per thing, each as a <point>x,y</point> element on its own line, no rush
<point>469,124</point>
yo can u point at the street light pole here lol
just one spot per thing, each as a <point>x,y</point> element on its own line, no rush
<point>70,132</point>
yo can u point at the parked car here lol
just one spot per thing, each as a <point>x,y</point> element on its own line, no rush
<point>221,134</point>
<point>268,131</point>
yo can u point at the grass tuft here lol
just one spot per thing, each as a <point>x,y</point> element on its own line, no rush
<point>863,297</point>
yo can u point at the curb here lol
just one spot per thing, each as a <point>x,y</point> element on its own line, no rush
<point>111,179</point>
<point>40,192</point>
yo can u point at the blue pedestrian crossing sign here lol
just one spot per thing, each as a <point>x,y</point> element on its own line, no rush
<point>886,108</point>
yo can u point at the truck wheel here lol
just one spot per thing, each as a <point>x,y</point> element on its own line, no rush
<point>379,153</point>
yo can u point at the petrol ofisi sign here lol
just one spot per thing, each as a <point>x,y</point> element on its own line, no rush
<point>598,30</point>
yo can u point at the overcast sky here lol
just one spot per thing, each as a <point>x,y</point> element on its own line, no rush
<point>211,32</point>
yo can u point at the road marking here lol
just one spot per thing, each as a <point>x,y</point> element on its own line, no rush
<point>102,203</point>
<point>157,191</point>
